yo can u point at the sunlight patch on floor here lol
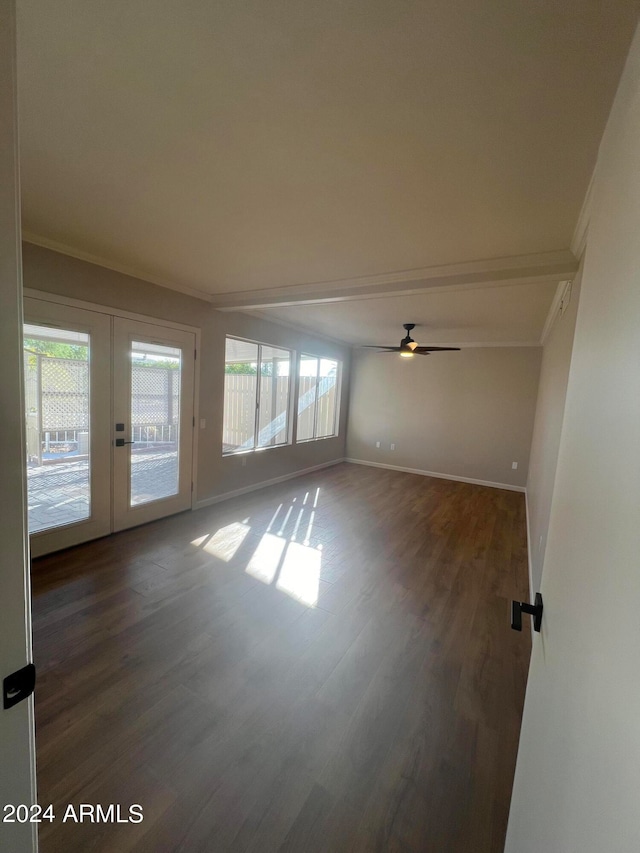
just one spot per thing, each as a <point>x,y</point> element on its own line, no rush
<point>224,543</point>
<point>300,574</point>
<point>264,563</point>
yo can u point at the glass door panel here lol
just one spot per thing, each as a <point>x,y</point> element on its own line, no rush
<point>67,405</point>
<point>155,422</point>
<point>56,370</point>
<point>153,386</point>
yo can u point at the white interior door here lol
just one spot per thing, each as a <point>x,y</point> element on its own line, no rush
<point>577,780</point>
<point>153,411</point>
<point>17,747</point>
<point>67,390</point>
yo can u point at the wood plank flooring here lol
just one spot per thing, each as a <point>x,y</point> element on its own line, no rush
<point>322,666</point>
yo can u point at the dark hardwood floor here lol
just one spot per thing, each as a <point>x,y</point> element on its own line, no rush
<point>324,665</point>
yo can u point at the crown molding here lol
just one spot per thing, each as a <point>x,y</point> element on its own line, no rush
<point>133,272</point>
<point>521,269</point>
<point>579,239</point>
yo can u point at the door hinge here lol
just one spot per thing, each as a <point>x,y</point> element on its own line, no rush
<point>192,486</point>
<point>195,354</point>
<point>520,607</point>
<point>18,686</point>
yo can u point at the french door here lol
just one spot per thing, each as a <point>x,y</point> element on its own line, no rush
<point>67,356</point>
<point>153,378</point>
<point>109,422</point>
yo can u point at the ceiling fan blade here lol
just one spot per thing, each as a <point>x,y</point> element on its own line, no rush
<point>427,350</point>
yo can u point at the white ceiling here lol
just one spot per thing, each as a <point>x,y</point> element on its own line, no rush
<point>243,145</point>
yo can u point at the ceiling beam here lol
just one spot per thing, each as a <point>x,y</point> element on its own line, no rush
<point>521,269</point>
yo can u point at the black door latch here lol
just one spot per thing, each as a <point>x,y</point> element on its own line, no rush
<point>18,686</point>
<point>520,607</point>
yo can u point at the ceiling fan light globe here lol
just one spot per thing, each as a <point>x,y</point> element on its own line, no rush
<point>406,354</point>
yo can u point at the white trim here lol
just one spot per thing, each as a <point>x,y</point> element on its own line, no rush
<point>124,269</point>
<point>387,293</point>
<point>264,483</point>
<point>521,269</point>
<point>579,239</point>
<point>553,313</point>
<point>438,475</point>
<point>45,296</point>
<point>529,560</point>
<point>196,418</point>
<point>17,738</point>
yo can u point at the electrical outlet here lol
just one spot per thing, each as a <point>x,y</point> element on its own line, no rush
<point>393,447</point>
<point>377,444</point>
<point>514,465</point>
<point>203,423</point>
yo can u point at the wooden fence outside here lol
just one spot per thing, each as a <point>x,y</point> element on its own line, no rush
<point>240,414</point>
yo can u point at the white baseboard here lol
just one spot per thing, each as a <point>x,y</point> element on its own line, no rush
<point>531,590</point>
<point>438,475</point>
<point>263,484</point>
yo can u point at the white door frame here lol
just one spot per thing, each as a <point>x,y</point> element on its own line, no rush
<point>17,742</point>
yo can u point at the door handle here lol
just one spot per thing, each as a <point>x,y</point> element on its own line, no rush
<point>520,607</point>
<point>120,442</point>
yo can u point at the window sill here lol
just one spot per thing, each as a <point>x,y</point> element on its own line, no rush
<point>319,438</point>
<point>228,453</point>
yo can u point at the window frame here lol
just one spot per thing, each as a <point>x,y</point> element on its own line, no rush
<point>289,425</point>
<point>336,413</point>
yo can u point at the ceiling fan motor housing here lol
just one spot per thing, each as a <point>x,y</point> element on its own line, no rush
<point>408,339</point>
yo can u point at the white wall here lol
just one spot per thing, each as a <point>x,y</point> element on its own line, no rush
<point>552,392</point>
<point>577,784</point>
<point>464,414</point>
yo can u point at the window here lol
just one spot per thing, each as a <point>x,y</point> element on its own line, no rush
<point>317,398</point>
<point>257,379</point>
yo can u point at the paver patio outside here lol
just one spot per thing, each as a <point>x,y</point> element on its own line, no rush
<point>59,493</point>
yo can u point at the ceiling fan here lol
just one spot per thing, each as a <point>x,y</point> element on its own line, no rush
<point>408,347</point>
